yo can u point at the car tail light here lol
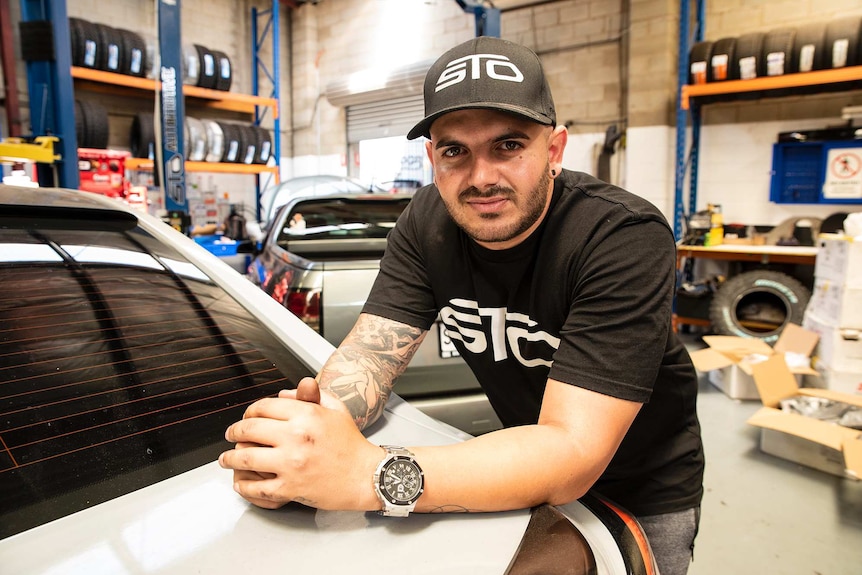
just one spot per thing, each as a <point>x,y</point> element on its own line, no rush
<point>305,304</point>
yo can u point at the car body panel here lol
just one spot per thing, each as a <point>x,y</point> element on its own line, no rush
<point>195,522</point>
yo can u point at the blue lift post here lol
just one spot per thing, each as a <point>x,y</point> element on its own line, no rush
<point>258,37</point>
<point>685,43</point>
<point>52,97</point>
<point>171,109</point>
<point>487,19</point>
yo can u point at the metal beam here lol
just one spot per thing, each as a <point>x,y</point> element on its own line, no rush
<point>51,93</point>
<point>171,110</point>
<point>487,18</point>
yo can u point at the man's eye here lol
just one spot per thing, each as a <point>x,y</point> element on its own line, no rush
<point>451,152</point>
<point>511,146</point>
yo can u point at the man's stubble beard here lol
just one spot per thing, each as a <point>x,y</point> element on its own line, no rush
<point>485,231</point>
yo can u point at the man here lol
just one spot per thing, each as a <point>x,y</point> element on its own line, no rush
<point>555,287</point>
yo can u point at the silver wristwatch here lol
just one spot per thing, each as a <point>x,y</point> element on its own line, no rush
<point>398,481</point>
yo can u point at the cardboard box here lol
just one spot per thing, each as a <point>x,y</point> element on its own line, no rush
<point>839,348</point>
<point>839,259</point>
<point>734,382</point>
<point>811,442</point>
<point>835,379</point>
<point>836,304</point>
<point>729,360</point>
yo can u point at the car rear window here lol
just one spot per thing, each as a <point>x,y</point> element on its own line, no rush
<point>121,364</point>
<point>356,218</point>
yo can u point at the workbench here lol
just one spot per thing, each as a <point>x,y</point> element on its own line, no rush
<point>800,255</point>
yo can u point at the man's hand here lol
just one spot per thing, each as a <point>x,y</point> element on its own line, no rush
<point>302,446</point>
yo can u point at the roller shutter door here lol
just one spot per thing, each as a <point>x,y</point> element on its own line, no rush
<point>383,119</point>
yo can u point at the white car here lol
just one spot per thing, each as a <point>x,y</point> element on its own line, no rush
<point>125,351</point>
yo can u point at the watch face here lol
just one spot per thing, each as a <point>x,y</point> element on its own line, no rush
<point>401,481</point>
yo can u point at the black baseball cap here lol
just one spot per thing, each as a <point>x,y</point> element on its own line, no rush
<point>487,73</point>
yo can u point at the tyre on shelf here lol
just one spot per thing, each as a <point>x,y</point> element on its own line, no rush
<point>142,136</point>
<point>91,124</point>
<point>758,304</point>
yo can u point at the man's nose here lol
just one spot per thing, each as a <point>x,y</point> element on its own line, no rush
<point>484,172</point>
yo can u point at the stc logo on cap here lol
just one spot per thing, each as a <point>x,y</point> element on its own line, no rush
<point>495,66</point>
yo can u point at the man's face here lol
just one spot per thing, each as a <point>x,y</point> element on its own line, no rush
<point>493,172</point>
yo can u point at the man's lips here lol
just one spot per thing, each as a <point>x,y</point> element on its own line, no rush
<point>487,205</point>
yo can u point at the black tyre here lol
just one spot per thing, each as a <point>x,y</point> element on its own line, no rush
<point>264,145</point>
<point>224,72</point>
<point>758,304</point>
<point>248,152</point>
<point>142,136</point>
<point>748,62</point>
<point>90,48</point>
<point>842,42</point>
<point>778,51</point>
<point>698,62</point>
<point>76,41</point>
<point>809,50</point>
<point>134,53</point>
<point>232,142</point>
<point>110,49</point>
<point>94,125</point>
<point>79,125</point>
<point>721,63</point>
<point>208,75</point>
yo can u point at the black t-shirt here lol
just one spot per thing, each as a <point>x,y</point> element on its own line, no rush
<point>585,300</point>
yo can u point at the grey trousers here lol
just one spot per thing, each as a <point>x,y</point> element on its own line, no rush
<point>671,536</point>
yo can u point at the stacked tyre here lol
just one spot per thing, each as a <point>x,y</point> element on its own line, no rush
<point>786,50</point>
<point>91,124</point>
<point>104,47</point>
<point>206,68</point>
<point>207,140</point>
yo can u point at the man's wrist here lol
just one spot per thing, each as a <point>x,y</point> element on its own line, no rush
<point>398,481</point>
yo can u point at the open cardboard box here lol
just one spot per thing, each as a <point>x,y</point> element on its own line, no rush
<point>729,360</point>
<point>823,445</point>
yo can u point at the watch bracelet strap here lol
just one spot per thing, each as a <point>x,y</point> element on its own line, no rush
<point>390,510</point>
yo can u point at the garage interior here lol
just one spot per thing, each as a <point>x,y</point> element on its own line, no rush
<point>747,166</point>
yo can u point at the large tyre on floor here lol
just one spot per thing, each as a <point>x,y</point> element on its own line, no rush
<point>758,304</point>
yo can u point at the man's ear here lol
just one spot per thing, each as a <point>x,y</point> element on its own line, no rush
<point>556,146</point>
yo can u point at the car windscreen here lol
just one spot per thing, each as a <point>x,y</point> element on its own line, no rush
<point>121,364</point>
<point>363,217</point>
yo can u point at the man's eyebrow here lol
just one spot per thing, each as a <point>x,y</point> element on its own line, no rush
<point>512,135</point>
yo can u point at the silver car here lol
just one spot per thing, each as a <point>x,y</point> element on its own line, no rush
<point>276,196</point>
<point>125,351</point>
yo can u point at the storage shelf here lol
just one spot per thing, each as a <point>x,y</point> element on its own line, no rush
<point>101,81</point>
<point>145,165</point>
<point>818,77</point>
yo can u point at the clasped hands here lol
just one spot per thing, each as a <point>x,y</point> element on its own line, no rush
<point>302,446</point>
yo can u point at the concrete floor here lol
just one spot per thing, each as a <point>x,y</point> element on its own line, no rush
<point>765,515</point>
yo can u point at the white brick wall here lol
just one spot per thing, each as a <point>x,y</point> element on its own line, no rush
<point>575,39</point>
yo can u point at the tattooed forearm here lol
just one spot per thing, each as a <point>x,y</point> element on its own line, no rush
<point>363,369</point>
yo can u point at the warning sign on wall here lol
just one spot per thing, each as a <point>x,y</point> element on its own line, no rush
<point>843,174</point>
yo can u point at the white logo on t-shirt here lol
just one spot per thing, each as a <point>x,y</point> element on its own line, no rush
<point>478,327</point>
<point>496,67</point>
